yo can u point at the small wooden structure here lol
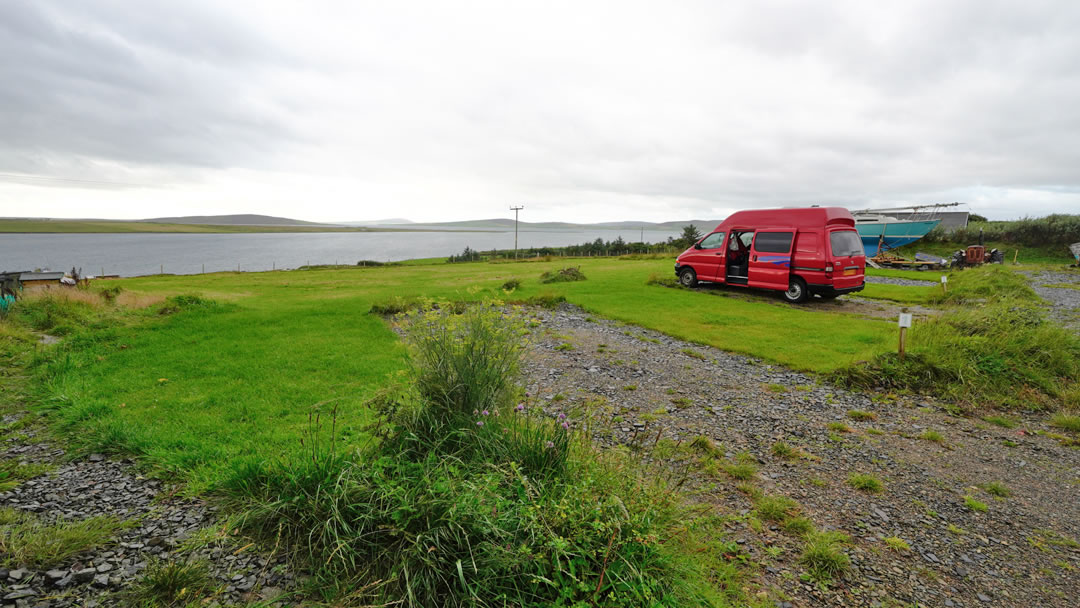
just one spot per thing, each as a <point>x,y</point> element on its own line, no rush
<point>30,279</point>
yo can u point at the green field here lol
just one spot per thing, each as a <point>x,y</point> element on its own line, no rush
<point>197,390</point>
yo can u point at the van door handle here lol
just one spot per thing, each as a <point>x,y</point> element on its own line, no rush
<point>755,258</point>
<point>721,253</point>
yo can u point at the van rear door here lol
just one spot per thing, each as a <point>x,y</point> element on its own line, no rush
<point>847,257</point>
<point>770,258</point>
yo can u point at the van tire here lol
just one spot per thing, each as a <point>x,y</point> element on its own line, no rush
<point>687,277</point>
<point>796,292</point>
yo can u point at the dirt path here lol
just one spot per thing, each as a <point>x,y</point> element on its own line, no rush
<point>1021,551</point>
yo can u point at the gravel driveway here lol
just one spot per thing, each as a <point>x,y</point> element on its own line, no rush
<point>163,523</point>
<point>1064,301</point>
<point>1021,552</point>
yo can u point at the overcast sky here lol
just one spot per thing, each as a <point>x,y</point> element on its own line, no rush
<point>581,111</point>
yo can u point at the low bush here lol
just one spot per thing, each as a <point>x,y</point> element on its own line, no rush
<point>564,275</point>
<point>1056,229</point>
<point>184,302</point>
<point>511,284</point>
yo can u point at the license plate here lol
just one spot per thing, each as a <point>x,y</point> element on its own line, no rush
<point>849,271</point>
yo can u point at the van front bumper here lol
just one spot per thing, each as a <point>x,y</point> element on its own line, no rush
<point>829,290</point>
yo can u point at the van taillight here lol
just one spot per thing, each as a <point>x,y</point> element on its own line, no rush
<point>828,268</point>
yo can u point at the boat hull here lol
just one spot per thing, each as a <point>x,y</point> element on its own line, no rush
<point>896,234</point>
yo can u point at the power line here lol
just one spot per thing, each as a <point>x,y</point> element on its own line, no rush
<point>515,210</point>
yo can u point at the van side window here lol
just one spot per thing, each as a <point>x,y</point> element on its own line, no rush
<point>713,241</point>
<point>773,242</point>
<point>807,242</point>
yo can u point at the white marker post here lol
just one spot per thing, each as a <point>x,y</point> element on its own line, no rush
<point>944,283</point>
<point>905,323</point>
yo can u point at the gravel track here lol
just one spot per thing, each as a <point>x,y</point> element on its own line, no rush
<point>162,523</point>
<point>896,281</point>
<point>1064,301</point>
<point>1020,552</point>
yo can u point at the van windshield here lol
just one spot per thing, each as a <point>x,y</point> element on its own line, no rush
<point>846,243</point>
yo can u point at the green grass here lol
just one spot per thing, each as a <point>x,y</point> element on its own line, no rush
<point>993,349</point>
<point>775,507</point>
<point>467,496</point>
<point>895,543</point>
<point>1067,422</point>
<point>866,483</point>
<point>1002,421</point>
<point>996,488</point>
<point>172,583</point>
<point>975,505</point>
<point>800,526</point>
<point>904,294</point>
<point>992,281</point>
<point>741,470</point>
<point>27,541</point>
<point>861,415</point>
<point>934,436</point>
<point>838,427</point>
<point>781,449</point>
<point>824,557</point>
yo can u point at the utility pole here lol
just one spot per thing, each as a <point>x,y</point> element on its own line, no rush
<point>515,210</point>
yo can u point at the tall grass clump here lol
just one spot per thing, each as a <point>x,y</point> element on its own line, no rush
<point>469,498</point>
<point>564,275</point>
<point>1001,353</point>
<point>989,282</point>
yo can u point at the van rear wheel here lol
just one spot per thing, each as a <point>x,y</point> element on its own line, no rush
<point>796,292</point>
<point>687,277</point>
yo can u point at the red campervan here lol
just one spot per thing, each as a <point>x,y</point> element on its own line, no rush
<point>798,251</point>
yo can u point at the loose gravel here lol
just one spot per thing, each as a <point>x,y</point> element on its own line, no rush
<point>897,281</point>
<point>638,386</point>
<point>165,526</point>
<point>1064,301</point>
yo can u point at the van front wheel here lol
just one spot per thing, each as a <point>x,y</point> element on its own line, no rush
<point>796,292</point>
<point>687,277</point>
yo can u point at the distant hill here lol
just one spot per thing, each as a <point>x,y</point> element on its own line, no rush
<point>243,219</point>
<point>393,220</point>
<point>508,224</point>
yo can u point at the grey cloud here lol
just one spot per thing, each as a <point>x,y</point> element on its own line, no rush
<point>108,85</point>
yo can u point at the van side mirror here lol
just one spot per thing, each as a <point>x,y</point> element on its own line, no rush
<point>697,245</point>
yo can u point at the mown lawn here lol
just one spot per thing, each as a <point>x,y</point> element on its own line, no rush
<point>199,392</point>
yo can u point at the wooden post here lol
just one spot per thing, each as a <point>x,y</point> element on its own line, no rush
<point>273,265</point>
<point>204,268</point>
<point>1015,253</point>
<point>904,323</point>
<point>944,284</point>
<point>162,269</point>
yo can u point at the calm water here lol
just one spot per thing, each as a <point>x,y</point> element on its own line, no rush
<point>140,254</point>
